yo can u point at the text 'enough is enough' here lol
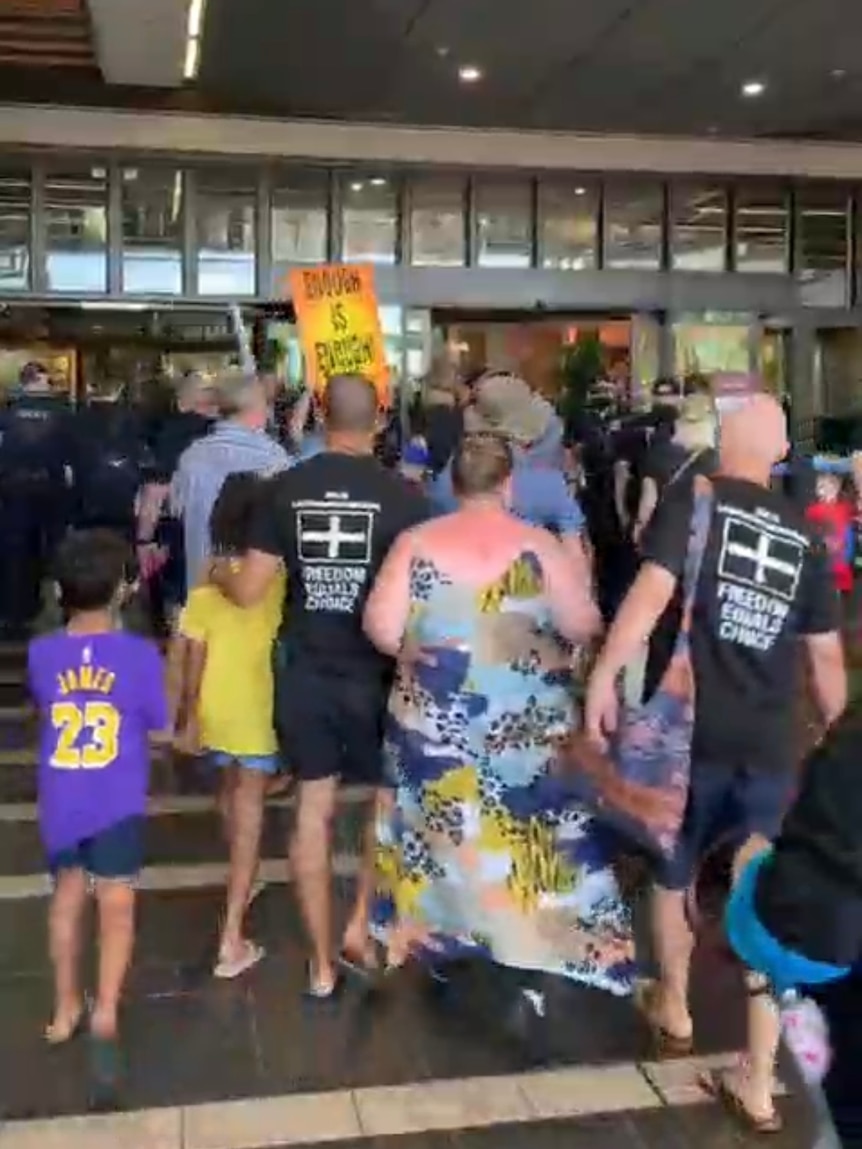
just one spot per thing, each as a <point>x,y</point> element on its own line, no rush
<point>352,355</point>
<point>331,284</point>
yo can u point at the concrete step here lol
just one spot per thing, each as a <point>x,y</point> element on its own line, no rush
<point>179,836</point>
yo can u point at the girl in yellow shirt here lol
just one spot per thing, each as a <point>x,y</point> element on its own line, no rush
<point>226,707</point>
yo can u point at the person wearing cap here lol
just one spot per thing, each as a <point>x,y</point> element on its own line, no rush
<point>506,405</point>
<point>688,452</point>
<point>35,473</point>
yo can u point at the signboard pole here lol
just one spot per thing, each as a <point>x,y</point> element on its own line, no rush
<point>243,340</point>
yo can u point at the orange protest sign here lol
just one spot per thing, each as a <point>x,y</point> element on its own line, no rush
<point>339,324</point>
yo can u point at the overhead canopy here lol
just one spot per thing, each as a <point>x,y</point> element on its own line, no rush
<point>141,42</point>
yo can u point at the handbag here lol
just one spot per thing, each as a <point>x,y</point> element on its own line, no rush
<point>639,786</point>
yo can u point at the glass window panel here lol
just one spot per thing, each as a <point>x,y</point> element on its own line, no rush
<point>505,224</point>
<point>698,227</point>
<point>633,225</point>
<point>569,215</point>
<point>300,219</point>
<point>369,217</point>
<point>76,227</point>
<point>225,228</point>
<point>437,225</point>
<point>15,204</point>
<point>761,229</point>
<point>823,240</point>
<point>152,201</point>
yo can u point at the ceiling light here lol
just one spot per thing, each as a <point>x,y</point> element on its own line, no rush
<point>838,73</point>
<point>378,182</point>
<point>194,31</point>
<point>469,74</point>
<point>357,187</point>
<point>753,88</point>
<point>580,191</point>
<point>193,56</point>
<point>196,19</point>
<point>443,51</point>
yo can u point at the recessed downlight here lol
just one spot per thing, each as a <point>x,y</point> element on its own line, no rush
<point>751,89</point>
<point>470,74</point>
<point>357,186</point>
<point>378,182</point>
<point>580,191</point>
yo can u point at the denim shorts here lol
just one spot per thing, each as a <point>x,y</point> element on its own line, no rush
<point>114,854</point>
<point>264,763</point>
<point>726,805</point>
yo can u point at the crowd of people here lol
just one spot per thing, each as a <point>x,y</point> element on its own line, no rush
<point>422,630</point>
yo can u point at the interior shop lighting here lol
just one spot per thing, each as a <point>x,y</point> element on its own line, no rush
<point>469,74</point>
<point>753,88</point>
<point>194,31</point>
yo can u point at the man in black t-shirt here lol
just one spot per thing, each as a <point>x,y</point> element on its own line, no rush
<point>764,585</point>
<point>330,520</point>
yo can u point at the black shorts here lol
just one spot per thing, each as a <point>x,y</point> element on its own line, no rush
<point>330,725</point>
<point>726,804</point>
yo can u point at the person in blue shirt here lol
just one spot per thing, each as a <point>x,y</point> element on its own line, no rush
<point>506,405</point>
<point>35,473</point>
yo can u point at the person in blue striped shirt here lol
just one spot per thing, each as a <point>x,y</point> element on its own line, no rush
<point>239,442</point>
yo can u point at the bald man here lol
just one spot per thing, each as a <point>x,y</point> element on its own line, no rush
<point>330,522</point>
<point>764,588</point>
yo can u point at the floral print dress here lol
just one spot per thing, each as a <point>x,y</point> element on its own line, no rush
<point>483,852</point>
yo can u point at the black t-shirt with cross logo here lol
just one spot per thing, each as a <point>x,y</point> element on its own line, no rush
<point>764,583</point>
<point>332,520</point>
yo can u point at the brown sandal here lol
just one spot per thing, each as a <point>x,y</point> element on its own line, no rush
<point>666,1045</point>
<point>717,1086</point>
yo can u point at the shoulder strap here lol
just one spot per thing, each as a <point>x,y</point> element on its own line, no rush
<point>689,461</point>
<point>701,520</point>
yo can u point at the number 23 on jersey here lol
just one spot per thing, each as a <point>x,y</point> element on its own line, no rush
<point>88,736</point>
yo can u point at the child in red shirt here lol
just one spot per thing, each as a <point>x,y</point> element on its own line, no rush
<point>833,517</point>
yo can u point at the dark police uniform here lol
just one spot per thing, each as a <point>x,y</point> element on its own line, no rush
<point>35,455</point>
<point>110,462</point>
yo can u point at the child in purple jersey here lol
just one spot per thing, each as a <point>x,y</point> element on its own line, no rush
<point>100,694</point>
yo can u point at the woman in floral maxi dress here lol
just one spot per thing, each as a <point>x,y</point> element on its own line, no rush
<point>482,852</point>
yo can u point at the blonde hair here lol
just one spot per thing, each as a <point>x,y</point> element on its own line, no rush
<point>237,392</point>
<point>696,423</point>
<point>482,463</point>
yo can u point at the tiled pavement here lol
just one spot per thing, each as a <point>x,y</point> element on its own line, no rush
<point>236,1066</point>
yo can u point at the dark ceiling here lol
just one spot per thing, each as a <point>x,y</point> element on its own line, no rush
<point>659,66</point>
<point>654,66</point>
<point>46,34</point>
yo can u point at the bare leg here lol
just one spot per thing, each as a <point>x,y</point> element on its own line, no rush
<point>225,800</point>
<point>116,901</point>
<point>754,1083</point>
<point>673,944</point>
<point>357,944</point>
<point>245,824</point>
<point>312,870</point>
<point>64,935</point>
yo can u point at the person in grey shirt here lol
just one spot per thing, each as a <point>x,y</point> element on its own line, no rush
<point>239,442</point>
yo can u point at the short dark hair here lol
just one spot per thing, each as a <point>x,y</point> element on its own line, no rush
<point>350,404</point>
<point>89,567</point>
<point>234,511</point>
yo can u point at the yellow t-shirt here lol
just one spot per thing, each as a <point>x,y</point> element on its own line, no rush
<point>236,697</point>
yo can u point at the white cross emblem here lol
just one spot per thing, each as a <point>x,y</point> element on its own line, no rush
<point>333,536</point>
<point>765,560</point>
<point>762,559</point>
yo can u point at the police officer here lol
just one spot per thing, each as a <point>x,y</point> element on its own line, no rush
<point>109,464</point>
<point>35,472</point>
